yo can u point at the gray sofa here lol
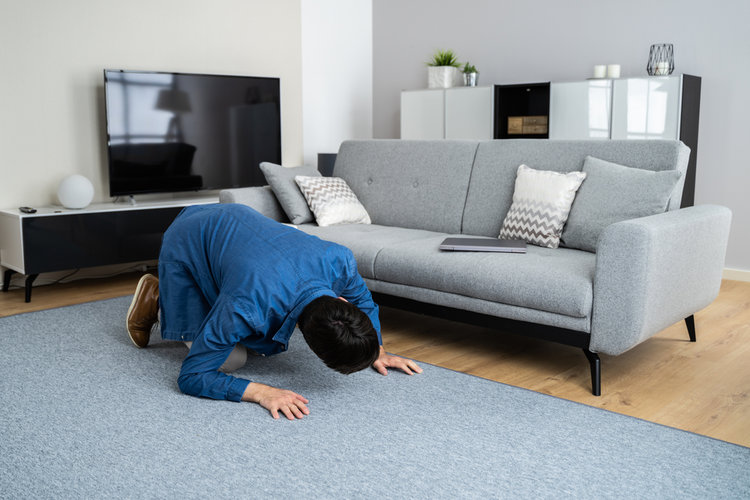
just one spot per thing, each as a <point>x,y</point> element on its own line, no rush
<point>647,273</point>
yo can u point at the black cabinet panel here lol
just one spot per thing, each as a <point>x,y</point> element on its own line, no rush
<point>94,239</point>
<point>689,119</point>
<point>517,107</point>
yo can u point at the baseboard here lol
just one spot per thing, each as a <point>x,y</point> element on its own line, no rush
<point>736,274</point>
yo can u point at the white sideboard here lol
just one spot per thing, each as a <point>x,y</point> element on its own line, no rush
<point>580,110</point>
<point>423,114</point>
<point>647,108</point>
<point>455,113</point>
<point>469,113</point>
<point>650,107</point>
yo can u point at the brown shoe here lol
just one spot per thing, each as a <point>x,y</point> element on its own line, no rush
<point>144,310</point>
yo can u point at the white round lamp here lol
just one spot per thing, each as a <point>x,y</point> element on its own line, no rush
<point>75,191</point>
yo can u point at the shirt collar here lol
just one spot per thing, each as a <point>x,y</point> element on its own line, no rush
<point>287,328</point>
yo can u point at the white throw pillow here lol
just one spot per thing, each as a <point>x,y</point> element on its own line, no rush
<point>332,201</point>
<point>541,204</point>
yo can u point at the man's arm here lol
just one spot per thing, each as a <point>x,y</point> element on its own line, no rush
<point>200,375</point>
<point>358,294</point>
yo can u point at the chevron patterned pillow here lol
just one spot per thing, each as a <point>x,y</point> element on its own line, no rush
<point>541,204</point>
<point>332,201</point>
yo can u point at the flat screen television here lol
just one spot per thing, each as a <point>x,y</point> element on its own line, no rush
<point>171,132</point>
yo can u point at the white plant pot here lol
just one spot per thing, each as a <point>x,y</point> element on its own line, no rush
<point>443,77</point>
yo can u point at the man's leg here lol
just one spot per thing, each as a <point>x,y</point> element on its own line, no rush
<point>236,359</point>
<point>144,310</point>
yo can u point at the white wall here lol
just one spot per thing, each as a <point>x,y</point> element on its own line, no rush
<point>336,74</point>
<point>53,53</point>
<point>550,40</point>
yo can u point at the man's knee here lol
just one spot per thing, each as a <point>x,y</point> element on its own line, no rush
<point>236,359</point>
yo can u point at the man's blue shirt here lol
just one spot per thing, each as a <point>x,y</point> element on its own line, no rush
<point>229,275</point>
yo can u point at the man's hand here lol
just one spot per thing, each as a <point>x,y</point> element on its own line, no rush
<point>386,361</point>
<point>291,404</point>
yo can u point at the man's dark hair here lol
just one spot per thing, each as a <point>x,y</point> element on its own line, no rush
<point>340,334</point>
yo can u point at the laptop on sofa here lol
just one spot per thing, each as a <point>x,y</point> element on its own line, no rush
<point>483,245</point>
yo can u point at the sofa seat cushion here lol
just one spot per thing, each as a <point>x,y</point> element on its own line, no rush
<point>366,241</point>
<point>554,280</point>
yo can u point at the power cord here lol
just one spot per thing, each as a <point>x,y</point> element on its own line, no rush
<point>65,279</point>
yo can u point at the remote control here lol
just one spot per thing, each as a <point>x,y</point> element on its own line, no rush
<point>27,210</point>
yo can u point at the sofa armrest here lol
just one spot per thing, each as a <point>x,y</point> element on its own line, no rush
<point>654,271</point>
<point>260,198</point>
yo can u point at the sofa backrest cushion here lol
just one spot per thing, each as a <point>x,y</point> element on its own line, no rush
<point>291,199</point>
<point>411,184</point>
<point>493,177</point>
<point>612,193</point>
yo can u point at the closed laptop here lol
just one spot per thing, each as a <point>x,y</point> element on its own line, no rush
<point>459,244</point>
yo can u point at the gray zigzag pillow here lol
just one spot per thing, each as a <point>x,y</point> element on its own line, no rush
<point>541,204</point>
<point>332,201</point>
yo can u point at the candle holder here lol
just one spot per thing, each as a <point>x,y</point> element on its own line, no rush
<point>660,59</point>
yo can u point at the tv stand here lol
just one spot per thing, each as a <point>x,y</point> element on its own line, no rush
<point>57,239</point>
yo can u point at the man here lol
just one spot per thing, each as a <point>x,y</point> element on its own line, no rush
<point>233,280</point>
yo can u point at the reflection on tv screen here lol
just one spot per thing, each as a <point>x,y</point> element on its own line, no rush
<point>171,132</point>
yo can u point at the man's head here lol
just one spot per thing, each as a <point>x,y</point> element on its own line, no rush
<point>340,334</point>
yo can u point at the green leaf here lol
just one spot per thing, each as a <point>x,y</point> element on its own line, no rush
<point>444,58</point>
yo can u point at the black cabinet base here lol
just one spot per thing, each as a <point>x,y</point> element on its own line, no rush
<point>29,282</point>
<point>6,279</point>
<point>69,240</point>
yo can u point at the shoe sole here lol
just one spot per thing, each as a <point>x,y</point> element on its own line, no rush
<point>132,305</point>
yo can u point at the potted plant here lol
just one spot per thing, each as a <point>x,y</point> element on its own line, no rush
<point>443,70</point>
<point>470,75</point>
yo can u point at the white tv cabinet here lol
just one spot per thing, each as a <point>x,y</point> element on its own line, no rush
<point>57,238</point>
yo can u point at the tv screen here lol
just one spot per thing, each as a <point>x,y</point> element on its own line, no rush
<point>169,132</point>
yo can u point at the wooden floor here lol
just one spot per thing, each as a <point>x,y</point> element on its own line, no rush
<point>702,387</point>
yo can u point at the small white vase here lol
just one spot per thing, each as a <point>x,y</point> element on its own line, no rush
<point>443,77</point>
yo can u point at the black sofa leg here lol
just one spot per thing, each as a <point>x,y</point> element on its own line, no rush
<point>596,372</point>
<point>690,322</point>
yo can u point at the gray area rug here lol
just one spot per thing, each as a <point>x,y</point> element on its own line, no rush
<point>85,414</point>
